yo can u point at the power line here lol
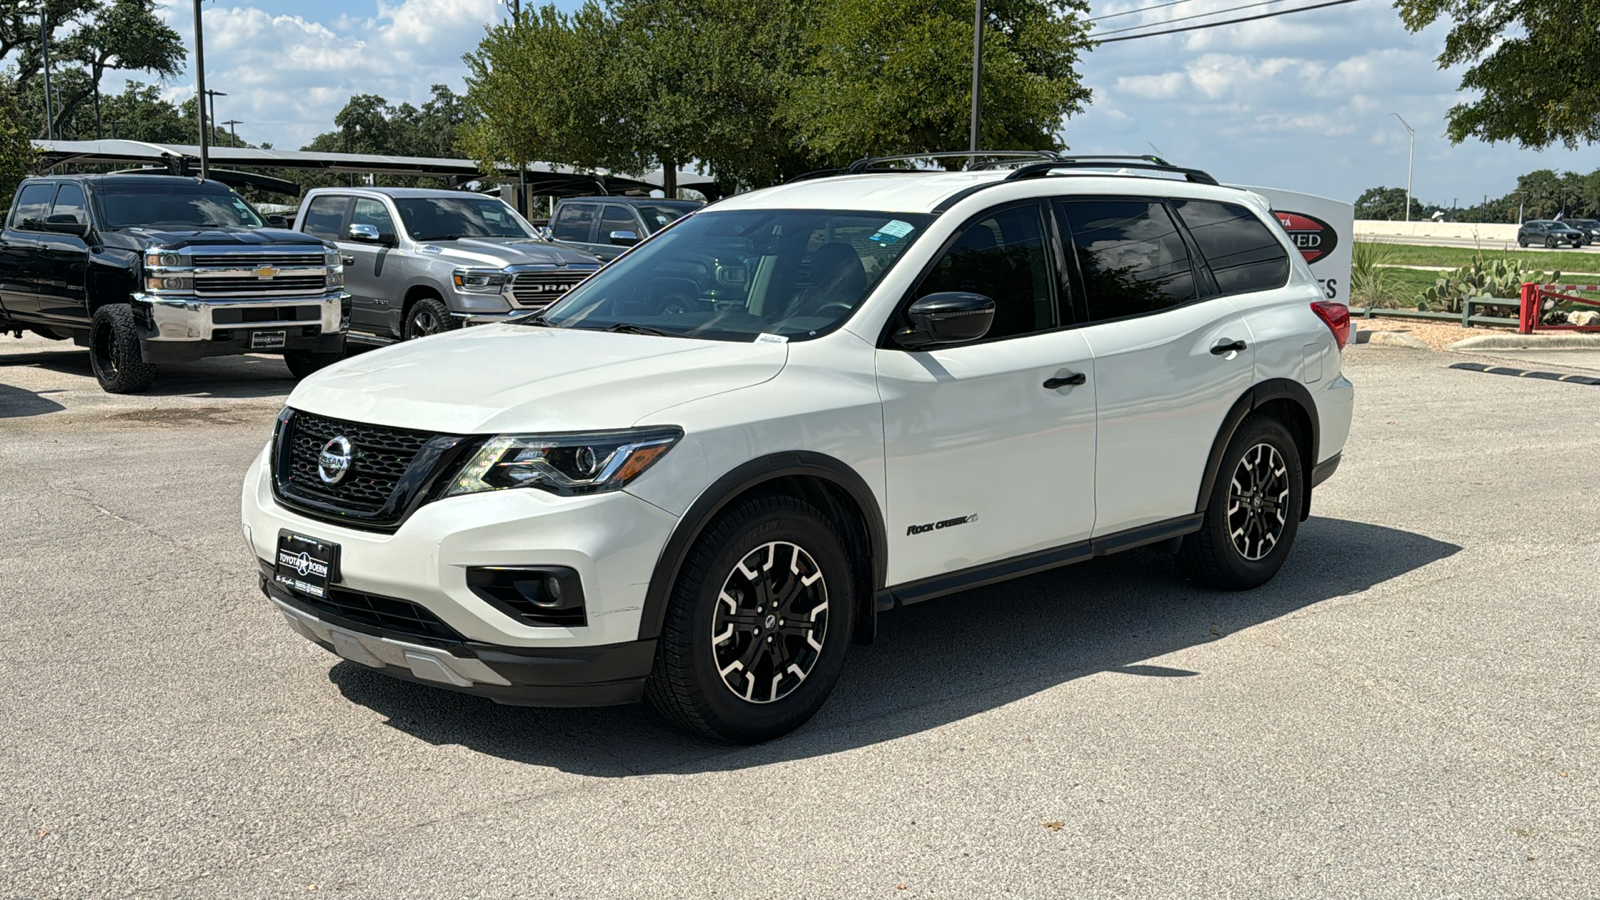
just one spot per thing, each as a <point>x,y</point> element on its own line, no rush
<point>1139,10</point>
<point>1215,12</point>
<point>1281,12</point>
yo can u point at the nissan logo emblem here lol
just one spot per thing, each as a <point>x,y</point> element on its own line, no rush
<point>334,460</point>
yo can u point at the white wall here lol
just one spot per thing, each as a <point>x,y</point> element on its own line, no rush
<point>1369,228</point>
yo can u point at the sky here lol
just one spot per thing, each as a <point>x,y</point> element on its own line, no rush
<point>1301,102</point>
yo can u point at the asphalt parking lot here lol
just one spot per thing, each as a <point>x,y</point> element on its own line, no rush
<point>1409,710</point>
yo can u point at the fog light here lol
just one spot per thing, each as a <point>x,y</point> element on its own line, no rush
<point>536,595</point>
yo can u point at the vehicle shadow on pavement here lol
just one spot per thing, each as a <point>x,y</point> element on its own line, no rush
<point>224,377</point>
<point>17,403</point>
<point>935,662</point>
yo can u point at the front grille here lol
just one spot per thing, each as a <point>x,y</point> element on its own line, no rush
<point>374,610</point>
<point>381,456</point>
<point>250,284</point>
<point>537,290</point>
<point>252,260</point>
<point>248,314</point>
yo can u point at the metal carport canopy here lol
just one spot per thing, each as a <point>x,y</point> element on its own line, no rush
<point>543,178</point>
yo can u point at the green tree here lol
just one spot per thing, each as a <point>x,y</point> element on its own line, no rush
<point>1388,204</point>
<point>1533,61</point>
<point>890,76</point>
<point>16,149</point>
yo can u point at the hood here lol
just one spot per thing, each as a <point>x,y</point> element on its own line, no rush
<point>525,378</point>
<point>177,238</point>
<point>499,252</point>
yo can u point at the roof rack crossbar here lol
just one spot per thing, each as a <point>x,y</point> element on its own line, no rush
<point>874,163</point>
<point>1143,163</point>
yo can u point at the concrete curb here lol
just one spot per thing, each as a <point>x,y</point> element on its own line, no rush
<point>1394,339</point>
<point>1528,342</point>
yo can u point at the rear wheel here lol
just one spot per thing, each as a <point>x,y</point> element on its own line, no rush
<point>758,624</point>
<point>114,352</point>
<point>428,316</point>
<point>1254,512</point>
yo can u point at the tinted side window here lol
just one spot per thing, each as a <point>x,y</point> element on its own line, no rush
<point>1131,256</point>
<point>69,205</point>
<point>324,217</point>
<point>616,218</point>
<point>1002,257</point>
<point>1242,252</point>
<point>572,222</point>
<point>372,212</point>
<point>33,206</point>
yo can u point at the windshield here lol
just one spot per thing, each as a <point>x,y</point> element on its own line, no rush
<point>739,274</point>
<point>448,218</point>
<point>173,202</point>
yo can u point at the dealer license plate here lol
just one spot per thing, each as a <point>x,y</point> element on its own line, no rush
<point>306,565</point>
<point>268,340</point>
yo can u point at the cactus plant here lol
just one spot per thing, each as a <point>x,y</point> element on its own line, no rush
<point>1488,279</point>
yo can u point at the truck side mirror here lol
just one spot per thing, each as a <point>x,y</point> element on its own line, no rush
<point>624,238</point>
<point>366,234</point>
<point>66,224</point>
<point>277,221</point>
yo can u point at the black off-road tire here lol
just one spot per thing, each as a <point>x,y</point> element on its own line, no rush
<point>687,686</point>
<point>302,363</point>
<point>114,352</point>
<point>428,316</point>
<point>1219,555</point>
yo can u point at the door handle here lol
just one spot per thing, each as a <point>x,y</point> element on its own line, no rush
<point>1073,380</point>
<point>1226,347</point>
<point>347,260</point>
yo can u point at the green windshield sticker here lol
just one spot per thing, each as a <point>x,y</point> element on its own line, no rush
<point>892,231</point>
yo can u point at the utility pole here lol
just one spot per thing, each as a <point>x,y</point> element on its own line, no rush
<point>211,112</point>
<point>200,90</point>
<point>44,42</point>
<point>977,74</point>
<point>231,123</point>
<point>1409,161</point>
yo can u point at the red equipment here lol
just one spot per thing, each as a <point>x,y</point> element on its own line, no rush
<point>1534,300</point>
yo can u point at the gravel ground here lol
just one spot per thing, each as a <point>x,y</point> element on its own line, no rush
<point>1437,335</point>
<point>1407,711</point>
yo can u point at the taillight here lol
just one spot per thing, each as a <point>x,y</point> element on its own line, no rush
<point>1336,316</point>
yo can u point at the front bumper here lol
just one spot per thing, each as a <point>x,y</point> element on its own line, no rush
<point>514,676</point>
<point>186,327</point>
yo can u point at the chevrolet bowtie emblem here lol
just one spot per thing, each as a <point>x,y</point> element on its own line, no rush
<point>266,272</point>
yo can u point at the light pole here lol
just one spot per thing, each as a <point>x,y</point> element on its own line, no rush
<point>200,90</point>
<point>977,73</point>
<point>211,110</point>
<point>1409,161</point>
<point>232,129</point>
<point>44,42</point>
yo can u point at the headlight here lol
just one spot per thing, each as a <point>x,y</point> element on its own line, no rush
<point>169,282</point>
<point>156,259</point>
<point>565,464</point>
<point>488,281</point>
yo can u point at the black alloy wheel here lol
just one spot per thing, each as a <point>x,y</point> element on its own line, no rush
<point>1253,514</point>
<point>428,316</point>
<point>758,623</point>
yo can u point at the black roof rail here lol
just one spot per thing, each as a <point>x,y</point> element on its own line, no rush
<point>1143,163</point>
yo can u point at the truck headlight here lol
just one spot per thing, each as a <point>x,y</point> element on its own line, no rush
<point>169,282</point>
<point>335,265</point>
<point>155,259</point>
<point>485,281</point>
<point>566,464</point>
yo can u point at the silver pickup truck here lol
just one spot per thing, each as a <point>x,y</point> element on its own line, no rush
<point>419,261</point>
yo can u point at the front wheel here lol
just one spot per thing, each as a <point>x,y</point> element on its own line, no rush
<point>757,626</point>
<point>1254,512</point>
<point>302,363</point>
<point>1523,243</point>
<point>114,352</point>
<point>428,316</point>
<point>1550,243</point>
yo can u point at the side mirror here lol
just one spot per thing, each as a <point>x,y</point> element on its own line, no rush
<point>65,224</point>
<point>276,221</point>
<point>366,234</point>
<point>949,317</point>
<point>624,238</point>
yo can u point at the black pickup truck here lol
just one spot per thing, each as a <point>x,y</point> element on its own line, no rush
<point>147,269</point>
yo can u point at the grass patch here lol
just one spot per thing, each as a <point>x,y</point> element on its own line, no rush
<point>1455,257</point>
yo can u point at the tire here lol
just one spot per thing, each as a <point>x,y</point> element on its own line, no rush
<point>302,363</point>
<point>1549,243</point>
<point>428,316</point>
<point>751,550</point>
<point>1522,242</point>
<point>1237,548</point>
<point>114,352</point>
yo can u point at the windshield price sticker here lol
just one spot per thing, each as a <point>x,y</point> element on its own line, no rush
<point>893,231</point>
<point>764,338</point>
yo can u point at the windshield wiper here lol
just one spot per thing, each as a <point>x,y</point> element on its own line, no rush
<point>534,319</point>
<point>631,328</point>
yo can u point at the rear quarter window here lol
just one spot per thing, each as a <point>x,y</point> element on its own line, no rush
<point>1243,252</point>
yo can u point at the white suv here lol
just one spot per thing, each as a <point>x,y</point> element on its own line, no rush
<point>700,476</point>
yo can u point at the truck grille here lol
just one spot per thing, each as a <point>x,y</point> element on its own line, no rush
<point>278,260</point>
<point>382,456</point>
<point>212,286</point>
<point>537,290</point>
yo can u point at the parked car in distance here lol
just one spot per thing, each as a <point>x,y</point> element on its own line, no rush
<point>1549,233</point>
<point>608,226</point>
<point>1589,227</point>
<point>702,474</point>
<point>149,269</point>
<point>419,261</point>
